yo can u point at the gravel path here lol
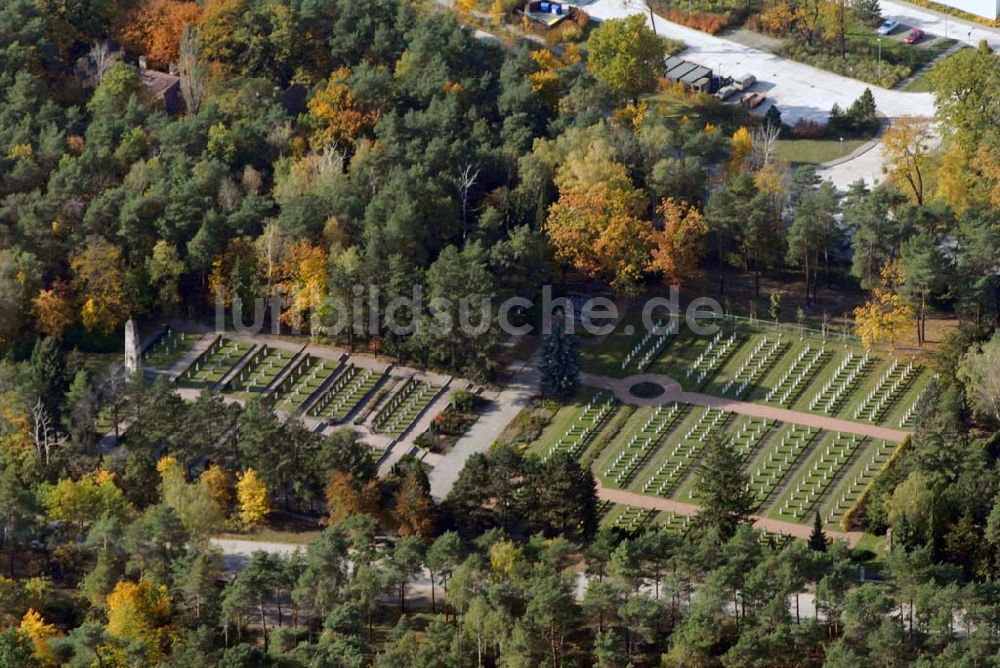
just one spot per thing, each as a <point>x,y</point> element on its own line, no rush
<point>620,386</point>
<point>680,508</point>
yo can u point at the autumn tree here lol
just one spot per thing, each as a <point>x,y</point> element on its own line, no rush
<point>413,511</point>
<point>906,154</point>
<point>740,147</point>
<point>346,496</point>
<point>234,275</point>
<point>595,227</point>
<point>99,283</point>
<point>307,283</point>
<point>220,485</point>
<point>626,56</point>
<point>140,613</point>
<point>337,115</point>
<point>82,502</point>
<point>34,626</point>
<point>680,244</point>
<point>153,28</point>
<point>252,498</point>
<point>884,316</point>
<point>54,310</point>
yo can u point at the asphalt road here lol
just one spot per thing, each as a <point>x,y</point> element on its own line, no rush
<point>800,91</point>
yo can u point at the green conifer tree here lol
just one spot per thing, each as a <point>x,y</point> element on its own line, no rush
<point>560,362</point>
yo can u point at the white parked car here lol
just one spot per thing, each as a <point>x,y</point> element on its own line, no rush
<point>887,27</point>
<point>726,91</point>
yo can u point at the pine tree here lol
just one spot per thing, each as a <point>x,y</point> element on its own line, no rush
<point>560,362</point>
<point>817,539</point>
<point>724,490</point>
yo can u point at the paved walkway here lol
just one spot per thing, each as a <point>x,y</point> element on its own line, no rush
<point>680,508</point>
<point>673,392</point>
<point>504,407</point>
<point>939,23</point>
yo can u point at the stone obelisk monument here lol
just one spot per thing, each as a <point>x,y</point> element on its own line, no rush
<point>131,347</point>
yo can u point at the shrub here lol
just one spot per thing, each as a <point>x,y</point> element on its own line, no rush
<point>463,400</point>
<point>711,23</point>
<point>808,129</point>
<point>673,46</point>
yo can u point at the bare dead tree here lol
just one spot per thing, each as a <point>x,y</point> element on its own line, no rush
<point>764,141</point>
<point>45,434</point>
<point>332,157</point>
<point>648,6</point>
<point>192,70</point>
<point>114,391</point>
<point>465,180</point>
<point>103,58</point>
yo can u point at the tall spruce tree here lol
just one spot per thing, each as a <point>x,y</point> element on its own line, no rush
<point>723,490</point>
<point>560,362</point>
<point>817,539</point>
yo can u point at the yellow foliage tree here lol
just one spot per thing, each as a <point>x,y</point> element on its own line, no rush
<point>680,245</point>
<point>545,81</point>
<point>337,114</point>
<point>887,313</point>
<point>220,485</point>
<point>307,283</point>
<point>985,166</point>
<point>140,613</point>
<point>252,497</point>
<point>465,7</point>
<point>740,146</point>
<point>633,114</point>
<point>234,272</point>
<point>15,428</point>
<point>504,557</point>
<point>594,225</point>
<point>906,155</point>
<point>84,501</point>
<point>34,626</point>
<point>99,278</point>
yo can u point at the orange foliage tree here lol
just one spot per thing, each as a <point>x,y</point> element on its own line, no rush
<point>595,227</point>
<point>54,310</point>
<point>680,245</point>
<point>154,27</point>
<point>345,496</point>
<point>337,114</point>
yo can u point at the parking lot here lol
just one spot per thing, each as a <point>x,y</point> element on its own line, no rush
<point>800,91</point>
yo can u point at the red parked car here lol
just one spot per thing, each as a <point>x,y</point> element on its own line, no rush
<point>915,36</point>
